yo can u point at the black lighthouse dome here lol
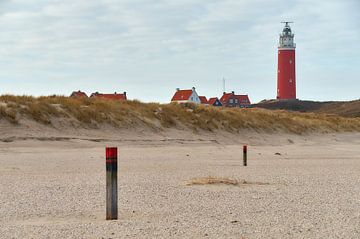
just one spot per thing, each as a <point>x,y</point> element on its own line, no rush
<point>287,30</point>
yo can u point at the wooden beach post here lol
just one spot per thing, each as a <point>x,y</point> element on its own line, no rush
<point>245,155</point>
<point>111,184</point>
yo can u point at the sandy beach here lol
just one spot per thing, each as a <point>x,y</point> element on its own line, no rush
<point>297,187</point>
<point>134,119</point>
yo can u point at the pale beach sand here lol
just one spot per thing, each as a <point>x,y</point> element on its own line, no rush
<point>55,187</point>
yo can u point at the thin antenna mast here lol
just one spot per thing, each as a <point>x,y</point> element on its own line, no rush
<point>223,84</point>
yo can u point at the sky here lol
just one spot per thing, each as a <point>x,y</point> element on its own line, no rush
<point>150,48</point>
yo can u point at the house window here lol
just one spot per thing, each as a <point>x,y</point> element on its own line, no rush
<point>231,101</point>
<point>236,101</point>
<point>192,98</point>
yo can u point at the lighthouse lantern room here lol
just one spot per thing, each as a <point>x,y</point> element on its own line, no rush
<point>286,82</point>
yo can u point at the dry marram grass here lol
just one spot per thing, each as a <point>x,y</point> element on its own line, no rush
<point>212,180</point>
<point>127,114</point>
<point>220,180</point>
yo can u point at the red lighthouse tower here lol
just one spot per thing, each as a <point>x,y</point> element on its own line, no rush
<point>286,82</point>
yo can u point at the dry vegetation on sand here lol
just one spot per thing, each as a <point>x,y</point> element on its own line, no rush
<point>127,114</point>
<point>220,180</point>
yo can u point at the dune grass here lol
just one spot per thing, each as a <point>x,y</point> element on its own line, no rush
<point>129,114</point>
<point>9,114</point>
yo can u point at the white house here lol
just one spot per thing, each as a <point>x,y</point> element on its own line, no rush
<point>186,96</point>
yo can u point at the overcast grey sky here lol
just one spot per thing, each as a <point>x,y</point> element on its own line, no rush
<point>149,48</point>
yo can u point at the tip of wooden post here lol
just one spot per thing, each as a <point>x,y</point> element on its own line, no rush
<point>111,152</point>
<point>245,148</point>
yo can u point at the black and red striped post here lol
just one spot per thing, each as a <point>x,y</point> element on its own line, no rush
<point>245,155</point>
<point>111,184</point>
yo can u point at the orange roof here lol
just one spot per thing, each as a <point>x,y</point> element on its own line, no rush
<point>114,96</point>
<point>182,95</point>
<point>225,97</point>
<point>243,99</point>
<point>212,100</point>
<point>203,100</point>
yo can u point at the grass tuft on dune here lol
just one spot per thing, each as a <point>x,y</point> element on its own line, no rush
<point>128,114</point>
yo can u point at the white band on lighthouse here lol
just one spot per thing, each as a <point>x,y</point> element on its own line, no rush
<point>286,48</point>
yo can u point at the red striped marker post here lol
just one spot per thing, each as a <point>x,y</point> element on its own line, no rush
<point>111,184</point>
<point>245,155</point>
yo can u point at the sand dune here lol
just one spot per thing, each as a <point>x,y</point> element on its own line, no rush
<point>71,115</point>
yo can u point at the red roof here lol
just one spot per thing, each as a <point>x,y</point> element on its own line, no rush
<point>78,94</point>
<point>243,99</point>
<point>225,97</point>
<point>114,96</point>
<point>212,100</point>
<point>203,100</point>
<point>182,95</point>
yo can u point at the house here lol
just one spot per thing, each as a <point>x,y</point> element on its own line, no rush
<point>78,94</point>
<point>244,101</point>
<point>186,96</point>
<point>232,100</point>
<point>114,96</point>
<point>214,101</point>
<point>203,100</point>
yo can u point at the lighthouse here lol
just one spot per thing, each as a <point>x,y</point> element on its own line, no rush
<point>286,82</point>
